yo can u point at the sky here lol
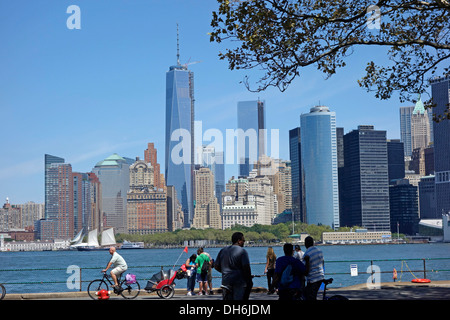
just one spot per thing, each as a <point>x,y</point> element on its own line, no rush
<point>84,94</point>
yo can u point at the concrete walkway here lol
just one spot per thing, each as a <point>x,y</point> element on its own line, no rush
<point>436,290</point>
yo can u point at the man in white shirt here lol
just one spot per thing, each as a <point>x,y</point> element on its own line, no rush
<point>120,266</point>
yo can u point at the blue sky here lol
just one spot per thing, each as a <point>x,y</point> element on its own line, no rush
<point>85,94</point>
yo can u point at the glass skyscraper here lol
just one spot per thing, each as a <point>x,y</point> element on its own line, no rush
<point>319,166</point>
<point>48,161</point>
<point>440,89</point>
<point>296,174</point>
<point>366,179</point>
<point>251,118</point>
<point>114,176</point>
<point>179,153</point>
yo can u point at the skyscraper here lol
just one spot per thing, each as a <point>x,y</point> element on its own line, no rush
<point>319,166</point>
<point>207,209</point>
<point>251,118</point>
<point>114,176</point>
<point>146,206</point>
<point>48,160</point>
<point>440,89</point>
<point>366,185</point>
<point>296,174</point>
<point>179,153</point>
<point>416,127</point>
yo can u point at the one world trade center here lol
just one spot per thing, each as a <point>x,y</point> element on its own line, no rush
<point>179,153</point>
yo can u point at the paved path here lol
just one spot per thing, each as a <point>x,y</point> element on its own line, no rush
<point>436,290</point>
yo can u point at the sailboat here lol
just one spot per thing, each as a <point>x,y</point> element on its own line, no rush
<point>76,242</point>
<point>108,239</point>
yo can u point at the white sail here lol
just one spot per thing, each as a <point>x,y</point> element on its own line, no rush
<point>78,238</point>
<point>92,238</point>
<point>108,237</point>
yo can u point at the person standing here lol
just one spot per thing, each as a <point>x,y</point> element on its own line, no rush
<point>209,275</point>
<point>234,264</point>
<point>314,262</point>
<point>192,270</point>
<point>270,269</point>
<point>202,264</point>
<point>298,253</point>
<point>289,275</point>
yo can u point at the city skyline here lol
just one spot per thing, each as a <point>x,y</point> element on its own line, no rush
<point>86,94</point>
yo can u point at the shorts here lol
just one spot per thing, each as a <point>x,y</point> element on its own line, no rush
<point>202,277</point>
<point>118,270</point>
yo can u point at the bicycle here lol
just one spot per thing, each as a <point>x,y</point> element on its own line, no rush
<point>335,297</point>
<point>2,292</point>
<point>125,289</point>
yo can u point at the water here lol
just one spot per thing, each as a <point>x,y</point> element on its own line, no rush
<point>144,263</point>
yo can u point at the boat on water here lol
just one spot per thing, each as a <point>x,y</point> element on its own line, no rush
<point>76,242</point>
<point>108,239</point>
<point>132,245</point>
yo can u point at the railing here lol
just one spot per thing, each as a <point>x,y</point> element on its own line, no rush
<point>77,279</point>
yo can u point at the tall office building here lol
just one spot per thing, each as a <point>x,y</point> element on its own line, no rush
<point>396,159</point>
<point>114,176</point>
<point>416,127</point>
<point>146,206</point>
<point>404,207</point>
<point>151,156</point>
<point>251,124</point>
<point>440,89</point>
<point>180,149</point>
<point>319,166</point>
<point>60,205</point>
<point>366,182</point>
<point>296,174</point>
<point>207,208</point>
<point>48,160</point>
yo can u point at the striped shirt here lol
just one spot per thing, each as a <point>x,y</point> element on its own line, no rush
<point>315,264</point>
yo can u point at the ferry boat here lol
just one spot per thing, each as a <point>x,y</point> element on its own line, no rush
<point>132,245</point>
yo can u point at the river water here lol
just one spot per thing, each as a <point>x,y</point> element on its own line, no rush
<point>52,271</point>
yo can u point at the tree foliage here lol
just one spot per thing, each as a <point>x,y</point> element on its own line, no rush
<point>280,37</point>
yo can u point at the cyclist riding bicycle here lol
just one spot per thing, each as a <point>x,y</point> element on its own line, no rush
<point>119,264</point>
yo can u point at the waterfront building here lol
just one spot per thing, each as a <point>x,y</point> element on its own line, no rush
<point>427,198</point>
<point>114,176</point>
<point>366,184</point>
<point>239,213</point>
<point>209,158</point>
<point>261,193</point>
<point>319,166</point>
<point>362,236</point>
<point>251,137</point>
<point>440,89</point>
<point>146,205</point>
<point>404,207</point>
<point>296,174</point>
<point>207,208</point>
<point>179,162</point>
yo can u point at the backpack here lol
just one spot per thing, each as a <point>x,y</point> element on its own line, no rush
<point>286,276</point>
<point>205,266</point>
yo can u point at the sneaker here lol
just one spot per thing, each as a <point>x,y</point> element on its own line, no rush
<point>211,292</point>
<point>189,293</point>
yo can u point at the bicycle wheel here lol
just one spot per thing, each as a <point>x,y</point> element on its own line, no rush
<point>130,291</point>
<point>95,286</point>
<point>2,292</point>
<point>166,292</point>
